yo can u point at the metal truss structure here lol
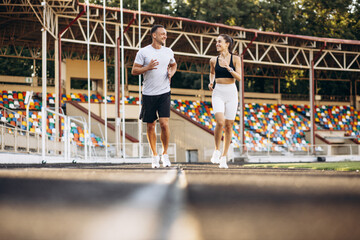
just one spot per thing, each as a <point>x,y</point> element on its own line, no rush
<point>193,42</point>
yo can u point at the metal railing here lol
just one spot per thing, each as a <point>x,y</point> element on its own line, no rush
<point>305,150</point>
<point>132,151</point>
<point>13,139</point>
<point>285,151</point>
<point>335,98</point>
<point>298,97</point>
<point>305,97</point>
<point>16,140</point>
<point>50,82</point>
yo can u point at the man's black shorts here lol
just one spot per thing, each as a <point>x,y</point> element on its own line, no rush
<point>154,107</point>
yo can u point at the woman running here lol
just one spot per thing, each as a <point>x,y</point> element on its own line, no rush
<point>224,70</point>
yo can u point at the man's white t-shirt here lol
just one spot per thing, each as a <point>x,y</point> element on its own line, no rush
<point>156,81</point>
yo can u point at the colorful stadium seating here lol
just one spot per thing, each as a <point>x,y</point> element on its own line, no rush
<point>335,118</point>
<point>287,123</point>
<point>15,99</point>
<point>201,112</point>
<point>96,98</point>
<point>18,119</point>
<point>286,126</point>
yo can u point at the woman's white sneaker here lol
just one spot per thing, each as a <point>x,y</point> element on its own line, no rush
<point>215,159</point>
<point>155,162</point>
<point>165,160</point>
<point>223,163</point>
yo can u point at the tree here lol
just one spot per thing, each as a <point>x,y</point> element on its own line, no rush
<point>354,16</point>
<point>153,6</point>
<point>325,18</point>
<point>322,18</point>
<point>15,67</point>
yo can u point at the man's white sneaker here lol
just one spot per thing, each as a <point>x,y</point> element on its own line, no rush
<point>165,160</point>
<point>216,157</point>
<point>223,163</point>
<point>155,162</point>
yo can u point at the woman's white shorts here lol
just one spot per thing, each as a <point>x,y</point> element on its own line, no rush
<point>225,100</point>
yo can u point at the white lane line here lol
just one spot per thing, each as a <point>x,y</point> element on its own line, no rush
<point>138,217</point>
<point>182,182</point>
<point>184,225</point>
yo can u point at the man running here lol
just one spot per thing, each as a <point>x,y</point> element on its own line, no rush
<point>157,64</point>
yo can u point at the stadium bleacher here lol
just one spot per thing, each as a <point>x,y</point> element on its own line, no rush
<point>15,116</point>
<point>287,123</point>
<point>95,98</point>
<point>335,118</point>
<point>18,119</point>
<point>15,99</point>
<point>287,127</point>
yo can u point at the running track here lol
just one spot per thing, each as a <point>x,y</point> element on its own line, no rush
<point>187,201</point>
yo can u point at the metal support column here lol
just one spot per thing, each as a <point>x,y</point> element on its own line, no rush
<point>105,83</point>
<point>241,103</point>
<point>122,78</point>
<point>312,94</point>
<point>88,74</point>
<point>44,79</point>
<point>139,121</point>
<point>242,92</point>
<point>117,92</point>
<point>312,102</point>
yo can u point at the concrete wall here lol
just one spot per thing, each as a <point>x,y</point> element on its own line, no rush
<point>188,136</point>
<point>24,88</point>
<point>335,146</point>
<point>332,137</point>
<point>20,80</point>
<point>131,111</point>
<point>357,102</point>
<point>78,69</point>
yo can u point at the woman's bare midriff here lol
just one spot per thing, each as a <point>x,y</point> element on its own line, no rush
<point>225,80</point>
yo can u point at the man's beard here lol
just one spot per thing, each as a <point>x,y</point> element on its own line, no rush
<point>160,42</point>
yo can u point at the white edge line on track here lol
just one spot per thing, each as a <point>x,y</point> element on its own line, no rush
<point>140,215</point>
<point>185,225</point>
<point>136,217</point>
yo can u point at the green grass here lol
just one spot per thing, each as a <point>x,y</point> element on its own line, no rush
<point>337,166</point>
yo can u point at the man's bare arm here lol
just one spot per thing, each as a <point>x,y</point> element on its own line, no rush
<point>138,69</point>
<point>172,70</point>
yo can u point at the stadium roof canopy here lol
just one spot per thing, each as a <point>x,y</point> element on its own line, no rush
<point>193,41</point>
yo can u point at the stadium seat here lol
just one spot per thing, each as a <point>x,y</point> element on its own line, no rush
<point>287,126</point>
<point>335,118</point>
<point>18,119</point>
